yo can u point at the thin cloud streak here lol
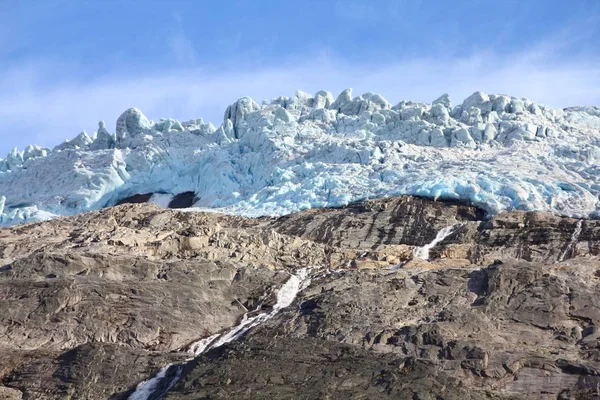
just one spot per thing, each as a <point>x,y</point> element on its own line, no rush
<point>180,45</point>
<point>35,110</point>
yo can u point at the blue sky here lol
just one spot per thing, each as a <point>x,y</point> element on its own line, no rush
<point>66,64</point>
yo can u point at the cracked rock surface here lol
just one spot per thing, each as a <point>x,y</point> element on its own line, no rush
<point>505,308</point>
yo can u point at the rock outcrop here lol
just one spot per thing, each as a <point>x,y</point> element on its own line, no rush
<point>503,308</point>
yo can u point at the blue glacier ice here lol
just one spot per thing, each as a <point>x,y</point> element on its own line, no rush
<point>292,153</point>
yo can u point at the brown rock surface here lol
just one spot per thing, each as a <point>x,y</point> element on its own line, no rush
<point>505,308</point>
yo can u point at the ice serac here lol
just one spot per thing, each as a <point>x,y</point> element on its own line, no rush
<point>103,140</point>
<point>237,112</point>
<point>81,141</point>
<point>443,100</point>
<point>309,150</point>
<point>131,123</point>
<point>33,151</point>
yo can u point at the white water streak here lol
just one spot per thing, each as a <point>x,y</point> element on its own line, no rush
<point>200,346</point>
<point>146,388</point>
<point>574,240</point>
<point>175,379</point>
<point>285,297</point>
<point>423,251</point>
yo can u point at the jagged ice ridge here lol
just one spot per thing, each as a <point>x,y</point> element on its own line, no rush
<point>498,152</point>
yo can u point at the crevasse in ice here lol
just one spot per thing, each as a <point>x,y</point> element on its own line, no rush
<point>292,153</point>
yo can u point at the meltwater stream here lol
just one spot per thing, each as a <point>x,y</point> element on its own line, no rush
<point>285,297</point>
<point>574,240</point>
<point>423,251</point>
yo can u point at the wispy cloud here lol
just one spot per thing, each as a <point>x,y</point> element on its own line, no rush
<point>180,44</point>
<point>35,109</point>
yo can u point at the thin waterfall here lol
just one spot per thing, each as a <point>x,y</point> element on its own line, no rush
<point>146,388</point>
<point>573,241</point>
<point>423,251</point>
<point>285,297</point>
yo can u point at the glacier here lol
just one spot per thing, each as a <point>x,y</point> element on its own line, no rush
<point>291,153</point>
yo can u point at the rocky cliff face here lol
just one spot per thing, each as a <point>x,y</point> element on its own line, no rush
<point>507,307</point>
